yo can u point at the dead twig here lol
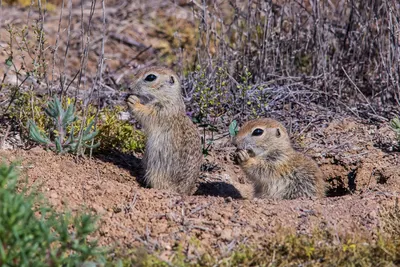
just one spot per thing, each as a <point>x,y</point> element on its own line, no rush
<point>127,40</point>
<point>4,137</point>
<point>359,91</point>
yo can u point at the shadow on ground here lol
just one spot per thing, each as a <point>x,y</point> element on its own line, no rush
<point>217,189</point>
<point>134,166</point>
<point>126,161</point>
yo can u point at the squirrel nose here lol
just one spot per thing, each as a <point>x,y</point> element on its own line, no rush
<point>131,87</point>
<point>239,144</point>
<point>126,96</point>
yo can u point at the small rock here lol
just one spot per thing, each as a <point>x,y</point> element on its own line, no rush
<point>98,209</point>
<point>37,150</point>
<point>215,217</point>
<point>373,214</point>
<point>226,234</point>
<point>53,195</point>
<point>218,231</point>
<point>236,169</point>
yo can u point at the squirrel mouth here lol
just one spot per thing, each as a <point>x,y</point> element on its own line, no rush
<point>144,98</point>
<point>249,151</point>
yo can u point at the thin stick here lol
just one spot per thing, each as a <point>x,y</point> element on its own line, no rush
<point>56,48</point>
<point>62,74</point>
<point>3,139</point>
<point>358,89</point>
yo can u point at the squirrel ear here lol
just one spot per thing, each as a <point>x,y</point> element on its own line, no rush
<point>278,133</point>
<point>171,80</point>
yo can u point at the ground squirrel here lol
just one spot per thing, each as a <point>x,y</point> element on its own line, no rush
<point>173,155</point>
<point>278,171</point>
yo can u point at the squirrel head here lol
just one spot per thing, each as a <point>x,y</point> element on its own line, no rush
<point>157,86</point>
<point>263,137</point>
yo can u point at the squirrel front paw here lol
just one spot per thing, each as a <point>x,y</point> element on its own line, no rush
<point>242,156</point>
<point>132,101</point>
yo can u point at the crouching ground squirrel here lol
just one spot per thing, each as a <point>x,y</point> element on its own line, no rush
<point>268,159</point>
<point>173,155</point>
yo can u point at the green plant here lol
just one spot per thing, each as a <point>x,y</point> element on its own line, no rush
<point>113,133</point>
<point>33,234</point>
<point>117,134</point>
<point>395,124</point>
<point>233,128</point>
<point>64,140</point>
<point>219,97</point>
<point>207,143</point>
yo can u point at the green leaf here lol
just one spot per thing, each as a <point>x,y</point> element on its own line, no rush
<point>92,146</point>
<point>69,116</point>
<point>9,61</point>
<point>88,128</point>
<point>395,124</point>
<point>233,128</point>
<point>59,109</point>
<point>73,146</point>
<point>89,136</point>
<point>59,148</point>
<point>195,120</point>
<point>51,110</point>
<point>70,137</point>
<point>36,135</point>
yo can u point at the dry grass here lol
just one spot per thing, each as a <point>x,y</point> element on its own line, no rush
<point>333,53</point>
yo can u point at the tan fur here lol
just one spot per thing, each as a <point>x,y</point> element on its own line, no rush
<point>173,150</point>
<point>271,163</point>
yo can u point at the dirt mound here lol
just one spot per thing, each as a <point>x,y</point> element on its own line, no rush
<point>356,156</point>
<point>222,214</point>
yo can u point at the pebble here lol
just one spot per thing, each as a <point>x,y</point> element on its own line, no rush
<point>227,235</point>
<point>53,195</point>
<point>98,209</point>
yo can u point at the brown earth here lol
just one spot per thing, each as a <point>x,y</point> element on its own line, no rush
<point>223,214</point>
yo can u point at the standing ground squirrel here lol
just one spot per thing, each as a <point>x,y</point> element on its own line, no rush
<point>173,150</point>
<point>278,171</point>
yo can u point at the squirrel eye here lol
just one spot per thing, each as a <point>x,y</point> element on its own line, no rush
<point>150,78</point>
<point>257,132</point>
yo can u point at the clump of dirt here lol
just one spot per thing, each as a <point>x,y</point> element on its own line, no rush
<point>223,213</point>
